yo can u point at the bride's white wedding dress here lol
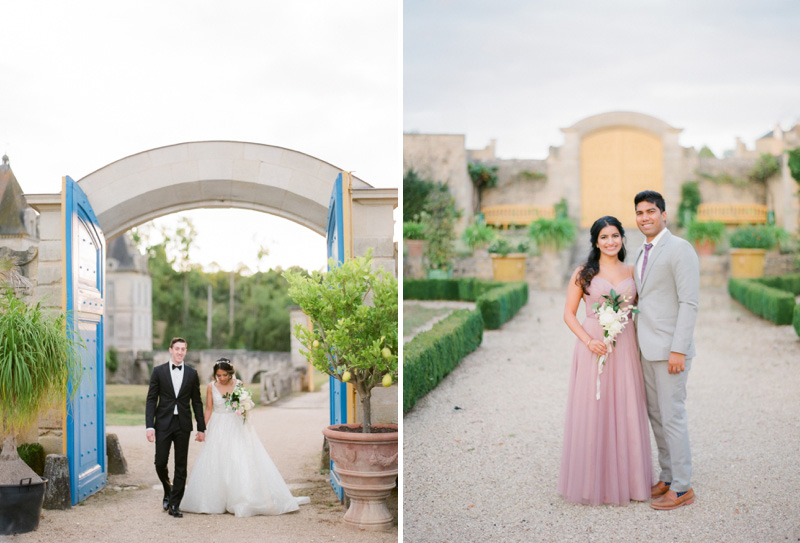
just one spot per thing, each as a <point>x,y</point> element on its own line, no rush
<point>234,473</point>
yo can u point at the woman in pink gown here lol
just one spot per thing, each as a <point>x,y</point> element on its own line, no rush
<point>606,455</point>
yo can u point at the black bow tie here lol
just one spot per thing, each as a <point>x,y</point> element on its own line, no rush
<point>174,367</point>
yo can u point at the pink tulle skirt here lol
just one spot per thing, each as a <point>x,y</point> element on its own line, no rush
<point>606,455</point>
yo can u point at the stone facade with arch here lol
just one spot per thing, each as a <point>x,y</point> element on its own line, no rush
<point>604,160</point>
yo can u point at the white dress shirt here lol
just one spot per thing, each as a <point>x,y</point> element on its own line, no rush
<point>177,379</point>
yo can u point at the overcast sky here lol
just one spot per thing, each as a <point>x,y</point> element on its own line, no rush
<point>85,83</point>
<point>519,71</point>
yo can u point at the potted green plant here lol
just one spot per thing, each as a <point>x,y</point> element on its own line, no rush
<point>509,261</point>
<point>353,338</point>
<point>36,359</point>
<point>478,234</point>
<point>552,234</point>
<point>414,238</point>
<point>705,235</point>
<point>749,244</point>
<point>439,219</point>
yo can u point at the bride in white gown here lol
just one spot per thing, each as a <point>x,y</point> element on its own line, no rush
<point>233,472</point>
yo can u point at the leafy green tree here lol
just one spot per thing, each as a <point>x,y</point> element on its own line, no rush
<point>415,193</point>
<point>705,152</point>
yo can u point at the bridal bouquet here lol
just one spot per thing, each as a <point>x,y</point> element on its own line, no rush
<point>612,317</point>
<point>239,400</point>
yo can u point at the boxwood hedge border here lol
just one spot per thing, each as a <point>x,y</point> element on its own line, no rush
<point>771,298</point>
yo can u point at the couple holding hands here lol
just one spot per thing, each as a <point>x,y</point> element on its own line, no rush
<point>233,472</point>
<point>606,456</point>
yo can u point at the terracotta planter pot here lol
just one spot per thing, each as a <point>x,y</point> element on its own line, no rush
<point>367,468</point>
<point>415,247</point>
<point>747,263</point>
<point>705,247</point>
<point>510,267</point>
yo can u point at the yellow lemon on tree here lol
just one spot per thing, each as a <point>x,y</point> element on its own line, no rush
<point>346,376</point>
<point>386,352</point>
<point>387,380</point>
<point>316,343</point>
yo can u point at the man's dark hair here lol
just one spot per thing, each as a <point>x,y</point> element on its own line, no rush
<point>178,340</point>
<point>651,196</point>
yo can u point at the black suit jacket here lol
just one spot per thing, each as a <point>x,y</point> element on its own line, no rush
<point>161,399</point>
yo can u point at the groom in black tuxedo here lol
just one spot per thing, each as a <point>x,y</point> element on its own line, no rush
<point>174,390</point>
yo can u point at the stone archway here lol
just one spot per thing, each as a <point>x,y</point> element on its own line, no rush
<point>208,174</point>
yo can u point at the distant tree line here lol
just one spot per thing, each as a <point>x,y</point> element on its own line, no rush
<point>260,316</point>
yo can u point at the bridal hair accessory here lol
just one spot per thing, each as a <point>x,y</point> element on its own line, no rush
<point>612,317</point>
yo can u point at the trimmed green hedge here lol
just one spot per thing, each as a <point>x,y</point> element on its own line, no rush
<point>432,355</point>
<point>499,305</point>
<point>466,289</point>
<point>498,301</point>
<point>771,298</point>
<point>796,320</point>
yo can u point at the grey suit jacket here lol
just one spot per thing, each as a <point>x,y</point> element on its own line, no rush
<point>668,299</point>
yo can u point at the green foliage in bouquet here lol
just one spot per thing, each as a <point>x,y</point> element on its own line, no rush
<point>353,310</point>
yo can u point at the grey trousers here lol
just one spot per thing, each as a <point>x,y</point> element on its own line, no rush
<point>666,407</point>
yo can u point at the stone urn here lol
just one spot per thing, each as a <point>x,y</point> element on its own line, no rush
<point>367,469</point>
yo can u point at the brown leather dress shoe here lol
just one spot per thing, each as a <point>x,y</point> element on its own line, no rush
<point>670,500</point>
<point>659,490</point>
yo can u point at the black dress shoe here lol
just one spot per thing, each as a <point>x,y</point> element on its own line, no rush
<point>175,512</point>
<point>165,503</point>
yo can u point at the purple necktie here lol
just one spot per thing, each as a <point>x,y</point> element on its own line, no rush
<point>647,248</point>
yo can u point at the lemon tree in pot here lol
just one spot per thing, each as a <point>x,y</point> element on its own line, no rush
<point>36,359</point>
<point>353,338</point>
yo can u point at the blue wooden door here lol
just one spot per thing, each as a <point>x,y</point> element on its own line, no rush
<point>85,286</point>
<point>336,251</point>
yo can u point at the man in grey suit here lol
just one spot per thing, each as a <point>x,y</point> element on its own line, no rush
<point>667,276</point>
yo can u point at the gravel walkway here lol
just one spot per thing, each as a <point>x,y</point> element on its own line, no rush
<point>482,451</point>
<point>129,509</point>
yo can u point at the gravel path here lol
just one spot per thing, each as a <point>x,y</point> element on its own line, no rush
<point>482,451</point>
<point>129,509</point>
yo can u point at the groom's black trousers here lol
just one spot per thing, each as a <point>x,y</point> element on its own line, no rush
<point>164,440</point>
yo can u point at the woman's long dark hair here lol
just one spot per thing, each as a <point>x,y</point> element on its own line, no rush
<point>225,365</point>
<point>592,265</point>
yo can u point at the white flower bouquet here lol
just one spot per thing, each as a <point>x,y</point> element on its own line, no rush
<point>613,317</point>
<point>240,401</point>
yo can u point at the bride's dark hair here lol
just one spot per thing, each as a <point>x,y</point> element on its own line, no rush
<point>592,265</point>
<point>225,365</point>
